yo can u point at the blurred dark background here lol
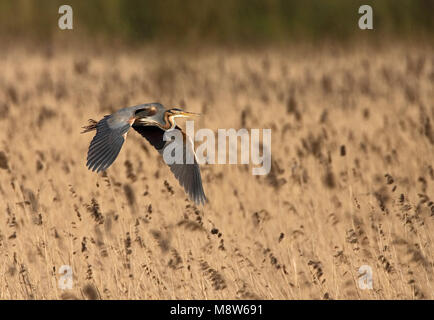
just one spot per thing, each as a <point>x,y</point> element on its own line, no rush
<point>211,21</point>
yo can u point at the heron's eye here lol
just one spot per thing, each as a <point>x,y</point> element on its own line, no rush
<point>152,110</point>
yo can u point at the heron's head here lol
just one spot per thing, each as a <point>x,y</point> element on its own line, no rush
<point>156,114</point>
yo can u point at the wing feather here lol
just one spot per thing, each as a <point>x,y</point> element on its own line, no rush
<point>106,144</point>
<point>188,175</point>
<point>111,134</point>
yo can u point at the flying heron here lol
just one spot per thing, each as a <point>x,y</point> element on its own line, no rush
<point>151,120</point>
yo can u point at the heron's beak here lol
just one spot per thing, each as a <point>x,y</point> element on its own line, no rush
<point>185,114</point>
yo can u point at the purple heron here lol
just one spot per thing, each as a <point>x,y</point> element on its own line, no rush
<point>151,120</point>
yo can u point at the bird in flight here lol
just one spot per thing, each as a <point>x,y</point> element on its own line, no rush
<point>151,120</point>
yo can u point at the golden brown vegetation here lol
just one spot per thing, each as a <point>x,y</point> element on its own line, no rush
<point>352,180</point>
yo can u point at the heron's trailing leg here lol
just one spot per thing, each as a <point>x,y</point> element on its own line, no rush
<point>92,126</point>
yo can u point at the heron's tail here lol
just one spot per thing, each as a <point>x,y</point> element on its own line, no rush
<point>92,126</point>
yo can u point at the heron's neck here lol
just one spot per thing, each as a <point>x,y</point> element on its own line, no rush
<point>169,122</point>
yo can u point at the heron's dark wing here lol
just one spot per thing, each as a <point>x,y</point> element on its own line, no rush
<point>153,134</point>
<point>105,146</point>
<point>188,175</point>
